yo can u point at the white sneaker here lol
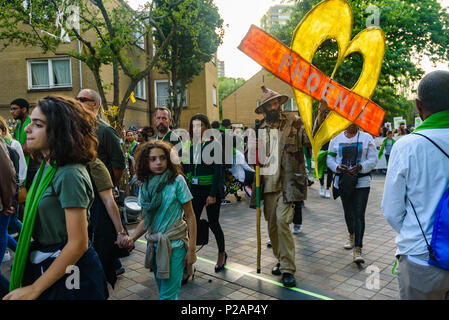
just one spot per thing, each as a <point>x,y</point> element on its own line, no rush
<point>296,229</point>
<point>322,191</point>
<point>7,256</point>
<point>328,194</point>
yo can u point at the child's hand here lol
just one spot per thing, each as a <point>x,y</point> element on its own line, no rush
<point>210,200</point>
<point>190,258</point>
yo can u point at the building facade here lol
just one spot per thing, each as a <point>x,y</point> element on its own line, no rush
<point>239,106</point>
<point>278,14</point>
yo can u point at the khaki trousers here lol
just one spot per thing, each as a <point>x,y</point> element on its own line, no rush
<point>279,216</point>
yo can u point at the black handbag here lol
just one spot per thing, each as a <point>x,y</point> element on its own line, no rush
<point>347,182</point>
<point>202,232</point>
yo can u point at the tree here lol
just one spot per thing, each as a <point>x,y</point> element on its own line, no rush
<point>225,87</point>
<point>413,28</point>
<point>108,31</point>
<point>190,48</point>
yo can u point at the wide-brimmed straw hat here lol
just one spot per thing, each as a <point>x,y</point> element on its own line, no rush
<point>269,95</point>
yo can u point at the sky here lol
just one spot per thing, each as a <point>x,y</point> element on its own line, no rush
<point>238,15</point>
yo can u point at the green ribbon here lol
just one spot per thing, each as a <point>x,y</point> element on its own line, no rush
<point>322,164</point>
<point>439,120</point>
<point>40,183</point>
<point>130,148</point>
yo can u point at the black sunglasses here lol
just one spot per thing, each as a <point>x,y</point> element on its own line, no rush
<point>83,99</point>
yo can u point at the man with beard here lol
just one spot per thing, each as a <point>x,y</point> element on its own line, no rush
<point>163,121</point>
<point>287,183</point>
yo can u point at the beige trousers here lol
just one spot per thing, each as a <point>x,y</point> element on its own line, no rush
<point>279,216</point>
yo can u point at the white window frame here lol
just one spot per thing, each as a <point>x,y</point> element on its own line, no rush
<point>49,62</point>
<point>143,93</point>
<point>186,101</point>
<point>214,95</point>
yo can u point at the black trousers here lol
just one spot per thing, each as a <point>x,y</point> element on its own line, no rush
<point>330,176</point>
<point>354,207</point>
<point>297,213</point>
<point>200,194</point>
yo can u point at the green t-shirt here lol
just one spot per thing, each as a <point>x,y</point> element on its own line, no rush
<point>109,148</point>
<point>100,175</point>
<point>70,188</point>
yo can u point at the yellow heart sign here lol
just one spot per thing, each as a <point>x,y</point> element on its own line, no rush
<point>331,19</point>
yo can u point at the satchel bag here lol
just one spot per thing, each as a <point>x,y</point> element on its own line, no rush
<point>202,233</point>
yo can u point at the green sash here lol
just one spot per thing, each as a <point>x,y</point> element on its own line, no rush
<point>130,148</point>
<point>40,183</point>
<point>439,120</point>
<point>384,143</point>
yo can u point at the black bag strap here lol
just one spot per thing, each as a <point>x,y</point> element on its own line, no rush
<point>419,134</point>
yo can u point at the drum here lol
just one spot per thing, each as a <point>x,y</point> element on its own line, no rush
<point>131,209</point>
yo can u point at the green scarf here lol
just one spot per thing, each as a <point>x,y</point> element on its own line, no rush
<point>384,143</point>
<point>151,195</point>
<point>322,161</point>
<point>130,148</point>
<point>439,120</point>
<point>20,133</point>
<point>8,141</point>
<point>40,183</point>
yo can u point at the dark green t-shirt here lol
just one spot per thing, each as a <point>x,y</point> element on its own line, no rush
<point>70,188</point>
<point>109,148</point>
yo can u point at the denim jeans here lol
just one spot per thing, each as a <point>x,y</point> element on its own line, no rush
<point>354,207</point>
<point>4,220</point>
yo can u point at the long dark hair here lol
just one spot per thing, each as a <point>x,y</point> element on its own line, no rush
<point>70,130</point>
<point>143,158</point>
<point>203,118</point>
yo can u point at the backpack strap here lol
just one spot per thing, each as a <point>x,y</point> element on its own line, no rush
<point>419,134</point>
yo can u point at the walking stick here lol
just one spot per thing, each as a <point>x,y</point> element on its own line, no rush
<point>258,198</point>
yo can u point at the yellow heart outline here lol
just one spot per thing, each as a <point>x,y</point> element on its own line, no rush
<point>333,19</point>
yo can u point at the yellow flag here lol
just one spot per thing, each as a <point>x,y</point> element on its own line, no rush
<point>131,96</point>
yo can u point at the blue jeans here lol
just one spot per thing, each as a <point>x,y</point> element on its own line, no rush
<point>14,223</point>
<point>4,220</point>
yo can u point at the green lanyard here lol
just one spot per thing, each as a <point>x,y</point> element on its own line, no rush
<point>157,136</point>
<point>195,161</point>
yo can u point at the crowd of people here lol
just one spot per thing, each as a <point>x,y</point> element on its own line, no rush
<point>61,170</point>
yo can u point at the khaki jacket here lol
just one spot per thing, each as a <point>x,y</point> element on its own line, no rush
<point>8,182</point>
<point>291,178</point>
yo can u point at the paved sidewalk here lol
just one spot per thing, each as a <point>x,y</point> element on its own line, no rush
<point>324,267</point>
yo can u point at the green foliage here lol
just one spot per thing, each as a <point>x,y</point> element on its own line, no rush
<point>194,43</point>
<point>413,29</point>
<point>226,86</point>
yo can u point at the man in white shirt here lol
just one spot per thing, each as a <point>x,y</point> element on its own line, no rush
<point>418,173</point>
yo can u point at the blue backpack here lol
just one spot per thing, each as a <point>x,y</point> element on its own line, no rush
<point>439,245</point>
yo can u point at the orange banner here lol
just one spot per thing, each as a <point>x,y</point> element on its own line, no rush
<point>290,67</point>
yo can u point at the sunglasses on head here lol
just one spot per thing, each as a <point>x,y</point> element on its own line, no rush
<point>83,99</point>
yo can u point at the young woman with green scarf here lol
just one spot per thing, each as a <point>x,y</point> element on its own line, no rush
<point>61,134</point>
<point>168,217</point>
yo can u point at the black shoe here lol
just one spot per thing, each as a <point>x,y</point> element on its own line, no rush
<point>220,267</point>
<point>288,280</point>
<point>275,271</point>
<point>120,271</point>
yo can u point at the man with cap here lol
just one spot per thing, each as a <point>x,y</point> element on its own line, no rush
<point>288,181</point>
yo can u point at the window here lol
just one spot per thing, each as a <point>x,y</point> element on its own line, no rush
<point>162,96</point>
<point>214,95</point>
<point>140,39</point>
<point>49,73</point>
<point>140,90</point>
<point>290,105</point>
<point>213,58</point>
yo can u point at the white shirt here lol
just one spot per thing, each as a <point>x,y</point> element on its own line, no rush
<point>420,172</point>
<point>240,166</point>
<point>22,162</point>
<point>366,155</point>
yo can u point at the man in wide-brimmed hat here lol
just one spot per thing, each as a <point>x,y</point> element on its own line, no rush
<point>288,184</point>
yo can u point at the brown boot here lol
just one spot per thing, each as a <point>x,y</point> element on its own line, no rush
<point>350,242</point>
<point>357,255</point>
